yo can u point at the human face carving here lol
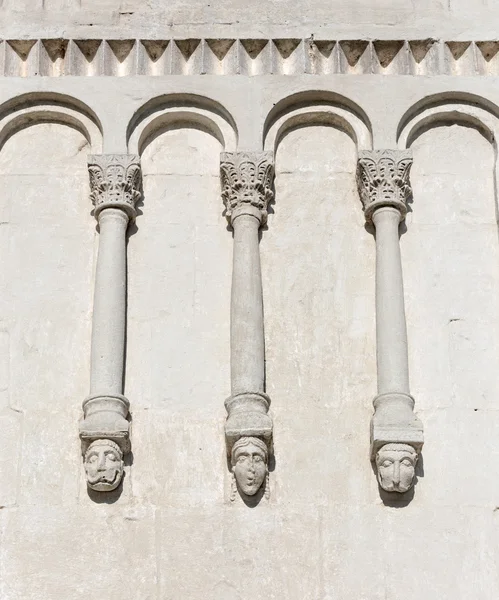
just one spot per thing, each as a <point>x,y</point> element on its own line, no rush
<point>104,466</point>
<point>396,464</point>
<point>249,468</point>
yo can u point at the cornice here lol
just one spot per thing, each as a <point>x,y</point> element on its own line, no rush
<point>283,56</point>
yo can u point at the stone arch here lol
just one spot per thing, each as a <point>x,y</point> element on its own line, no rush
<point>317,108</point>
<point>465,109</point>
<point>48,268</point>
<point>451,253</point>
<point>316,255</point>
<point>175,111</point>
<point>453,107</point>
<point>45,107</point>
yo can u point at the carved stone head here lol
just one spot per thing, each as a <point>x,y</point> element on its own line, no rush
<point>249,464</point>
<point>104,465</point>
<point>396,464</point>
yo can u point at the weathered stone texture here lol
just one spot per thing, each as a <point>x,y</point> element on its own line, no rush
<point>316,239</point>
<point>326,532</point>
<point>344,16</point>
<point>178,311</point>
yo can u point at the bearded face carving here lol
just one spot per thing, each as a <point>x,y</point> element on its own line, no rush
<point>249,464</point>
<point>104,465</point>
<point>396,464</point>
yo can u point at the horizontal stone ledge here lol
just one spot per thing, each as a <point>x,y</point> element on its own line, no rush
<point>250,57</point>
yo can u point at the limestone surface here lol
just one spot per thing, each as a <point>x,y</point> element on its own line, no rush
<point>315,84</point>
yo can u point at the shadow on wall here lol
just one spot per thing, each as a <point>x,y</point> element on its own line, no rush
<point>316,107</point>
<point>176,111</point>
<point>43,107</point>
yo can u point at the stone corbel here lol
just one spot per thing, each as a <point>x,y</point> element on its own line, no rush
<point>396,432</point>
<point>247,188</point>
<point>115,182</point>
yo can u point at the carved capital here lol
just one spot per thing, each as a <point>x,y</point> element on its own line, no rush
<point>383,180</point>
<point>247,179</point>
<point>114,182</point>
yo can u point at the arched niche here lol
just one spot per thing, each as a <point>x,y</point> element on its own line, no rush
<point>450,106</point>
<point>22,111</point>
<point>179,264</point>
<point>318,268</point>
<point>182,111</point>
<point>316,108</point>
<point>451,277</point>
<point>47,239</point>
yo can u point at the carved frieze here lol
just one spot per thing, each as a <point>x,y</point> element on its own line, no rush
<point>114,182</point>
<point>247,181</point>
<point>383,179</point>
<point>273,57</point>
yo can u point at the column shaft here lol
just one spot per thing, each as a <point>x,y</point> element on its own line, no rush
<point>247,334</point>
<point>391,331</point>
<point>109,314</point>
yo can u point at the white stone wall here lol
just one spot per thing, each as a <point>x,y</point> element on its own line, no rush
<point>171,532</point>
<point>151,18</point>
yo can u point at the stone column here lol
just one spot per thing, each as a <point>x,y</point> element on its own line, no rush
<point>115,188</point>
<point>396,433</point>
<point>247,179</point>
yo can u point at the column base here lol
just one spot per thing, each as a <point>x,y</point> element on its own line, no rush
<point>105,417</point>
<point>394,422</point>
<point>248,417</point>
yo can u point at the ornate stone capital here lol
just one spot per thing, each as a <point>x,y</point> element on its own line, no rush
<point>383,180</point>
<point>247,179</point>
<point>114,182</point>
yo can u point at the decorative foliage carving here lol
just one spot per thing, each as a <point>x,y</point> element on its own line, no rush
<point>104,465</point>
<point>247,179</point>
<point>249,460</point>
<point>114,182</point>
<point>395,465</point>
<point>383,179</point>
